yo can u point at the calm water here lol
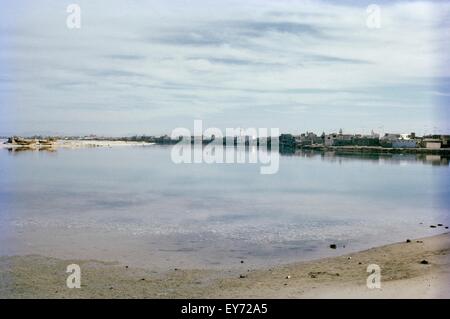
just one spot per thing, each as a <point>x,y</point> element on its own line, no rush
<point>133,205</point>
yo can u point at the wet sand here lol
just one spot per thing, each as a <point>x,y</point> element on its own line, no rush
<point>402,276</point>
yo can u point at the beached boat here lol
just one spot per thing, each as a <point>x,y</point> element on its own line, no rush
<point>21,141</point>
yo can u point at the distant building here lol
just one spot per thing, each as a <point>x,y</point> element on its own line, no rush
<point>405,136</point>
<point>408,136</point>
<point>400,143</point>
<point>329,139</point>
<point>338,139</point>
<point>432,143</point>
<point>398,140</point>
<point>390,137</point>
<point>308,138</point>
<point>443,140</point>
<point>446,141</point>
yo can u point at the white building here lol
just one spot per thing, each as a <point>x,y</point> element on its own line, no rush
<point>432,143</point>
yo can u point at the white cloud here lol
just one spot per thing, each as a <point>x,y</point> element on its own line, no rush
<point>147,67</point>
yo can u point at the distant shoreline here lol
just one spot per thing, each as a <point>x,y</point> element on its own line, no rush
<point>74,143</point>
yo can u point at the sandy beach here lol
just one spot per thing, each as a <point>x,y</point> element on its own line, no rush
<point>404,274</point>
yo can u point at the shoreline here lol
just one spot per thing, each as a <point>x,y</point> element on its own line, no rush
<point>73,144</point>
<point>285,149</point>
<point>403,275</point>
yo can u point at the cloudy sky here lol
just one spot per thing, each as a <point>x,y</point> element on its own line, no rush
<point>138,67</point>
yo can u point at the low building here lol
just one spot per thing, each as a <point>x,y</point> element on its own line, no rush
<point>329,139</point>
<point>398,140</point>
<point>432,143</point>
<point>388,139</point>
<point>443,140</point>
<point>308,138</point>
<point>404,143</point>
<point>338,139</point>
<point>408,136</point>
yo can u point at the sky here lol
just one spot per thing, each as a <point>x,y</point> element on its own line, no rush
<point>148,67</point>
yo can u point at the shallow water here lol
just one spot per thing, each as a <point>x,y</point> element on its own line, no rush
<point>135,206</point>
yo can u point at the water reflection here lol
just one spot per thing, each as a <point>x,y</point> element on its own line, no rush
<point>14,150</point>
<point>400,159</point>
<point>135,204</point>
<point>330,156</point>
